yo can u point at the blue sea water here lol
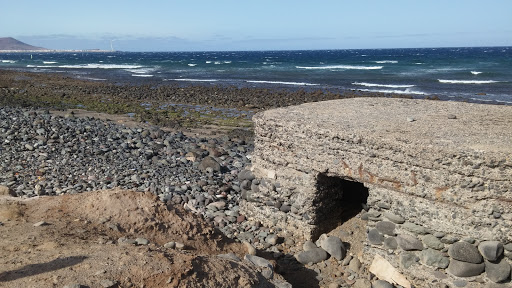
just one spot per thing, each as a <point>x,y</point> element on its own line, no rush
<point>482,74</point>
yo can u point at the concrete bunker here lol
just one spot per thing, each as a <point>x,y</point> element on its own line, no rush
<point>337,199</point>
<point>428,171</point>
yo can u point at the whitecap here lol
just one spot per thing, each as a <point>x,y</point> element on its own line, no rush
<point>476,72</point>
<point>386,62</point>
<point>382,85</point>
<point>341,67</point>
<point>193,80</point>
<point>208,62</point>
<point>142,75</point>
<point>192,64</point>
<point>282,82</point>
<point>227,62</point>
<point>216,62</point>
<point>9,61</point>
<point>144,70</point>
<point>467,81</point>
<point>100,66</point>
<point>406,91</point>
<point>49,62</point>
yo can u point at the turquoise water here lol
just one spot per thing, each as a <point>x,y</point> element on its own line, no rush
<point>465,74</point>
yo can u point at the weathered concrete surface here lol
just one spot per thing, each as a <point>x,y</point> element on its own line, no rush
<point>449,175</point>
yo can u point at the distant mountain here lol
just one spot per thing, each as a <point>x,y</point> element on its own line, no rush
<point>9,43</point>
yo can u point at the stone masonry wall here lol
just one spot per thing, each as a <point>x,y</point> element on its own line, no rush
<point>434,171</point>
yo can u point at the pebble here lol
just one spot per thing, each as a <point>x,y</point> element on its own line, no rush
<point>386,227</point>
<point>312,256</point>
<point>258,261</point>
<point>409,242</point>
<point>465,252</point>
<point>334,246</point>
<point>391,243</point>
<point>433,242</point>
<point>346,261</point>
<point>271,239</point>
<point>491,250</point>
<point>170,245</point>
<point>309,245</point>
<point>465,269</point>
<point>375,237</point>
<point>394,218</point>
<point>434,258</point>
<point>250,249</point>
<point>141,241</point>
<point>407,259</point>
<point>354,264</point>
<point>415,228</point>
<point>41,223</point>
<point>497,271</point>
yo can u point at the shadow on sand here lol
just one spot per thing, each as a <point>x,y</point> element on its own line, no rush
<point>39,268</point>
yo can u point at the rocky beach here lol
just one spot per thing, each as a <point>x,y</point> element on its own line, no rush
<point>159,171</point>
<point>192,166</point>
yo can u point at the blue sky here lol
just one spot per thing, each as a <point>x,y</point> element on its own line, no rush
<point>197,25</point>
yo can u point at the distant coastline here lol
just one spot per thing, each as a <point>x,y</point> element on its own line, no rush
<point>11,45</point>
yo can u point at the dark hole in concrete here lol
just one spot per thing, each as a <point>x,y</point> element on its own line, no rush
<point>337,200</point>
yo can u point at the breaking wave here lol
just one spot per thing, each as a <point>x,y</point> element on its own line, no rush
<point>467,81</point>
<point>386,62</point>
<point>406,91</point>
<point>341,67</point>
<point>193,80</point>
<point>382,85</point>
<point>282,82</point>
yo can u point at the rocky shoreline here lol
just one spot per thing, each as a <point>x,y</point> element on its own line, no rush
<point>47,154</point>
<point>166,105</point>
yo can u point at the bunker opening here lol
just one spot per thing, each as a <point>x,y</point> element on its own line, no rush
<point>337,200</point>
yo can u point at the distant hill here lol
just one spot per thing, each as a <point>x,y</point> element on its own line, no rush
<point>9,43</point>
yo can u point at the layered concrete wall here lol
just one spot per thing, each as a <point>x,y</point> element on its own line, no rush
<point>445,167</point>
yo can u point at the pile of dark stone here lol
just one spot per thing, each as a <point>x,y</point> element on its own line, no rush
<point>44,154</point>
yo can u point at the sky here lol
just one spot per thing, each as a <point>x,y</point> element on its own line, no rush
<point>221,25</point>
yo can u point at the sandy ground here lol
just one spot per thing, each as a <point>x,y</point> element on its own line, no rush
<point>78,244</point>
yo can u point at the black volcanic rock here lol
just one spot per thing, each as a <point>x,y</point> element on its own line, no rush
<point>9,43</point>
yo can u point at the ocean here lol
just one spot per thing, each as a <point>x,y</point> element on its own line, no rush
<point>482,74</point>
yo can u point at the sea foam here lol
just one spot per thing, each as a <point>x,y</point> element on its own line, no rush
<point>406,91</point>
<point>386,62</point>
<point>142,75</point>
<point>382,85</point>
<point>193,80</point>
<point>100,66</point>
<point>341,67</point>
<point>467,81</point>
<point>282,82</point>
